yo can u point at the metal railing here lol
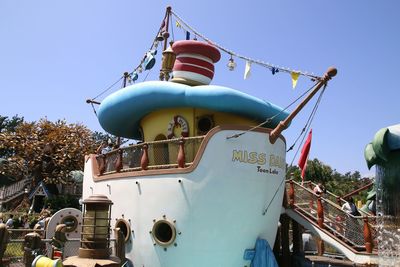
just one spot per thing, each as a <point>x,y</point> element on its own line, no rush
<point>332,197</point>
<point>165,154</point>
<point>357,231</point>
<point>15,247</point>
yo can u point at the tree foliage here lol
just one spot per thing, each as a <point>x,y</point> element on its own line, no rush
<point>9,125</point>
<point>44,150</point>
<point>335,182</point>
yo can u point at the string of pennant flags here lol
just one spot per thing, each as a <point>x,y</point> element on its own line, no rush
<point>295,74</point>
<point>148,60</point>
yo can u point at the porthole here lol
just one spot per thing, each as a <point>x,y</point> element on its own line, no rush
<point>71,223</point>
<point>205,124</point>
<point>164,233</point>
<point>125,228</point>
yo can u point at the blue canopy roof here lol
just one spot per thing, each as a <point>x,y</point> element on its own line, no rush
<point>121,112</point>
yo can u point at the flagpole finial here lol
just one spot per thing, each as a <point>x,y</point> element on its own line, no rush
<point>330,73</point>
<point>282,125</point>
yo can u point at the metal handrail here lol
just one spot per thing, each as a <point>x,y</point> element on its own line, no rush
<point>345,226</point>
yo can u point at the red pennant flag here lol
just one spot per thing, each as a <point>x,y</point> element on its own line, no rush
<point>304,155</point>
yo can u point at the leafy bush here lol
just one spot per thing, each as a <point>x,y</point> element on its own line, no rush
<point>62,201</point>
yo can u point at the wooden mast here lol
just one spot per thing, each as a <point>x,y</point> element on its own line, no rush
<point>331,72</point>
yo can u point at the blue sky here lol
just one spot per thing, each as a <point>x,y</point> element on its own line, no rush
<point>56,54</point>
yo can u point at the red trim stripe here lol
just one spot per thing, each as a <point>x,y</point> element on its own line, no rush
<point>183,67</point>
<point>197,47</point>
<point>196,61</point>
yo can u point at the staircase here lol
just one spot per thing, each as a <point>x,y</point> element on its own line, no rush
<point>354,236</point>
<point>13,191</point>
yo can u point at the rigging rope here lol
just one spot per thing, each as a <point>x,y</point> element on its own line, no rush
<point>256,61</point>
<point>271,118</point>
<point>108,88</point>
<point>309,121</point>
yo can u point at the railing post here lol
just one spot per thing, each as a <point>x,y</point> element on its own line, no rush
<point>32,243</point>
<point>320,212</point>
<point>291,193</point>
<point>181,153</point>
<point>144,162</point>
<point>118,162</point>
<point>120,244</point>
<point>102,164</point>
<point>367,236</point>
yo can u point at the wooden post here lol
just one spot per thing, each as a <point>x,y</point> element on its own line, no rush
<point>285,240</point>
<point>102,163</point>
<point>144,162</point>
<point>291,193</point>
<point>181,154</point>
<point>320,212</point>
<point>118,163</point>
<point>297,238</point>
<point>367,236</point>
<point>126,75</point>
<point>120,244</point>
<point>4,239</point>
<point>320,220</point>
<point>166,34</point>
<point>320,246</point>
<point>277,246</point>
<point>32,243</point>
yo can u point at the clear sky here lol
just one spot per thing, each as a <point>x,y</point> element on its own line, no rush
<point>56,54</point>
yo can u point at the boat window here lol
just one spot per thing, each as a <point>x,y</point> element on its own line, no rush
<point>161,152</point>
<point>164,232</point>
<point>204,124</point>
<point>71,223</point>
<point>125,228</point>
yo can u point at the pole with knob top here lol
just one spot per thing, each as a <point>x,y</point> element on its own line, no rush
<point>330,73</point>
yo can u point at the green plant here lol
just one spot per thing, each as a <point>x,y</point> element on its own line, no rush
<point>62,201</point>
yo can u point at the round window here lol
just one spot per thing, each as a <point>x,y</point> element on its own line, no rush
<point>164,233</point>
<point>204,124</point>
<point>124,227</point>
<point>71,223</point>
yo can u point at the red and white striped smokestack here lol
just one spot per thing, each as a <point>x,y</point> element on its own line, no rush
<point>194,64</point>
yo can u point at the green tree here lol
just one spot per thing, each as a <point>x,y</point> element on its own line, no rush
<point>45,150</point>
<point>8,125</point>
<point>334,182</point>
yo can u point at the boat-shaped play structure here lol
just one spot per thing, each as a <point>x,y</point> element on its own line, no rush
<point>206,180</point>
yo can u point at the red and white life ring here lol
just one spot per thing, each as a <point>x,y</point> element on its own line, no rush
<point>178,120</point>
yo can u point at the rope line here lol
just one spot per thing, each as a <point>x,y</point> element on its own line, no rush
<point>108,88</point>
<point>272,199</point>
<point>308,123</point>
<point>271,118</point>
<point>256,61</point>
<point>94,110</point>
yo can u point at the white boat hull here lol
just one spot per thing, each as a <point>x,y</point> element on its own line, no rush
<point>232,197</point>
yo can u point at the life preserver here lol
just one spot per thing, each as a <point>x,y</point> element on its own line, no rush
<point>178,120</point>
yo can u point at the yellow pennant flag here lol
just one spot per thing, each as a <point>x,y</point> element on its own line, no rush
<point>178,25</point>
<point>247,70</point>
<point>295,77</point>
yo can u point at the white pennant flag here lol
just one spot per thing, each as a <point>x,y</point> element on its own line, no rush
<point>247,70</point>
